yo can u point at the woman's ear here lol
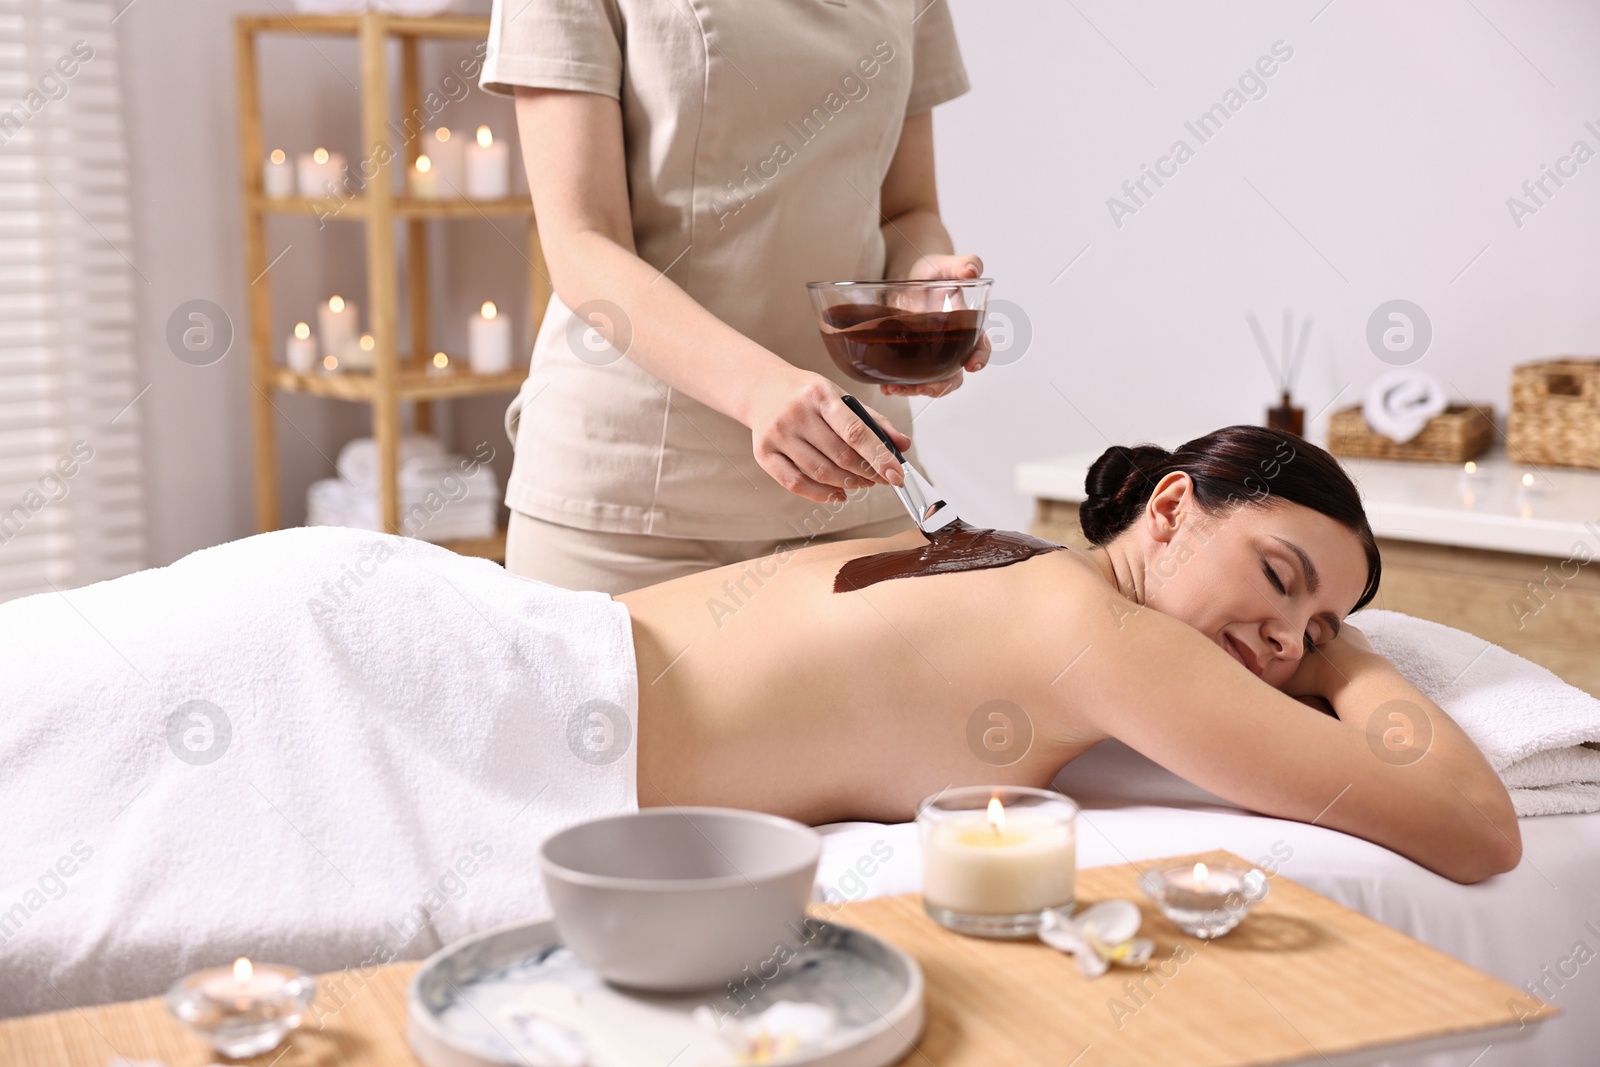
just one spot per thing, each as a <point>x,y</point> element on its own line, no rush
<point>1169,506</point>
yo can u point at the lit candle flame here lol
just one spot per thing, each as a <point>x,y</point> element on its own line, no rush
<point>1200,873</point>
<point>489,310</point>
<point>485,138</point>
<point>336,304</point>
<point>320,155</point>
<point>441,360</point>
<point>997,815</point>
<point>1471,467</point>
<point>442,133</point>
<point>277,155</point>
<point>424,164</point>
<point>242,970</point>
<point>1527,481</point>
<point>330,362</point>
<point>367,343</point>
<point>302,331</point>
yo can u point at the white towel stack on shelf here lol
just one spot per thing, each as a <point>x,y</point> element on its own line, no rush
<point>443,497</point>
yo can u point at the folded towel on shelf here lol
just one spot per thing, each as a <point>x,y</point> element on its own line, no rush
<point>442,498</point>
<point>358,459</point>
<point>1400,403</point>
<point>1541,735</point>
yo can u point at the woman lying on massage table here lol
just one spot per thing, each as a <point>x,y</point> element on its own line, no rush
<point>1214,597</point>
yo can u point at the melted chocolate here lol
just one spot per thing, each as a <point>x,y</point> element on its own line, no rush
<point>957,547</point>
<point>877,343</point>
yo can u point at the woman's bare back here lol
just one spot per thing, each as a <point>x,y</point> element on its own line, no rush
<point>761,687</point>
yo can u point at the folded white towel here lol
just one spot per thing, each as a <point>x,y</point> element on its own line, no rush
<point>387,732</point>
<point>358,459</point>
<point>439,500</point>
<point>1541,735</point>
<point>1400,403</point>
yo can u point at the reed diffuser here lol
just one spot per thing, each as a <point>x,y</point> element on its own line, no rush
<point>1284,367</point>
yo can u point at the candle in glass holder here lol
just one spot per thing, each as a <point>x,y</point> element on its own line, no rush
<point>301,352</point>
<point>489,341</point>
<point>277,175</point>
<point>319,172</point>
<point>243,1010</point>
<point>445,150</point>
<point>994,870</point>
<point>424,179</point>
<point>488,165</point>
<point>439,365</point>
<point>357,356</point>
<point>1205,901</point>
<point>338,324</point>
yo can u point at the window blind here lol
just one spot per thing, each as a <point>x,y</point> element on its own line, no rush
<point>71,502</point>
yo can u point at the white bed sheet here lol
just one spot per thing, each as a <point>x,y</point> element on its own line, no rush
<point>1522,926</point>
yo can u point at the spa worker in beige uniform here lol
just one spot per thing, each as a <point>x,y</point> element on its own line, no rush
<point>693,164</point>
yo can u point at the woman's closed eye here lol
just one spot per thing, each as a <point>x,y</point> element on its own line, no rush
<point>1283,589</point>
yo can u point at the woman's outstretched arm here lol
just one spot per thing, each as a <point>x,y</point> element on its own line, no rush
<point>1392,768</point>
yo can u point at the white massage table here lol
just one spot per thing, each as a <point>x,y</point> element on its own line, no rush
<point>1513,926</point>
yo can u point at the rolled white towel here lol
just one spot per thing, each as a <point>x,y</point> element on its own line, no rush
<point>1400,403</point>
<point>358,459</point>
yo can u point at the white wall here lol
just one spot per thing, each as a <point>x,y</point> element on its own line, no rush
<point>1390,141</point>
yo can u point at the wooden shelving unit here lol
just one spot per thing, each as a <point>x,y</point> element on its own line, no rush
<point>396,377</point>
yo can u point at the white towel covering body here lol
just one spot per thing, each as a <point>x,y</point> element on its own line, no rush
<point>320,746</point>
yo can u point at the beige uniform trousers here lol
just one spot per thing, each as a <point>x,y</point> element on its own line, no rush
<point>620,562</point>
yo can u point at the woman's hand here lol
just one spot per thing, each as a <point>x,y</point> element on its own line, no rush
<point>936,267</point>
<point>812,444</point>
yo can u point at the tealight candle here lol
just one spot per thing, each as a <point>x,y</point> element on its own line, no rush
<point>330,364</point>
<point>489,341</point>
<point>338,323</point>
<point>301,352</point>
<point>439,365</point>
<point>277,175</point>
<point>319,172</point>
<point>424,179</point>
<point>445,150</point>
<point>488,166</point>
<point>243,1010</point>
<point>357,356</point>
<point>995,859</point>
<point>1205,901</point>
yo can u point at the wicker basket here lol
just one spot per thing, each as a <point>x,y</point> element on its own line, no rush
<point>1555,413</point>
<point>1462,432</point>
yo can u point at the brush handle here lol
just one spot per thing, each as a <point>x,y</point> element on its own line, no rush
<point>872,424</point>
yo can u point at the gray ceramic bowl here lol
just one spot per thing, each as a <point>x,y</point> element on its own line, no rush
<point>677,899</point>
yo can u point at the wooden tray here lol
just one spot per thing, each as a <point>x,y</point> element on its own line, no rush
<point>1462,432</point>
<point>1302,980</point>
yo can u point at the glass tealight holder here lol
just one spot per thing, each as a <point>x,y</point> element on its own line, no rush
<point>995,859</point>
<point>244,1009</point>
<point>1205,900</point>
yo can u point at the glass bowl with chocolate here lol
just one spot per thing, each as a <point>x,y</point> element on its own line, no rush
<point>900,332</point>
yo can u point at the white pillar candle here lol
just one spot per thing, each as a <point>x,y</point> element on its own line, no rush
<point>488,168</point>
<point>446,149</point>
<point>338,324</point>
<point>489,341</point>
<point>301,353</point>
<point>424,179</point>
<point>277,175</point>
<point>1005,863</point>
<point>320,172</point>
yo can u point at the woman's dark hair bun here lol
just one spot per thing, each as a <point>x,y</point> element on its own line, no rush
<point>1233,467</point>
<point>1117,488</point>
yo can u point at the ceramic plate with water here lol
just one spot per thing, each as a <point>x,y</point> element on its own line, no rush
<point>517,996</point>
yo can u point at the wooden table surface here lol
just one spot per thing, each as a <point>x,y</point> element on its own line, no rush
<point>1301,980</point>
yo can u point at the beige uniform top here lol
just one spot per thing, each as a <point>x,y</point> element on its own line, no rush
<point>758,134</point>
